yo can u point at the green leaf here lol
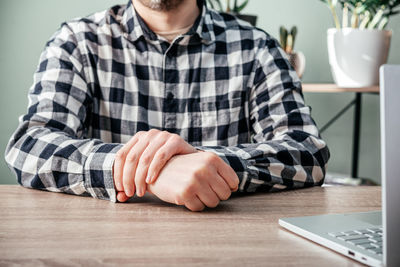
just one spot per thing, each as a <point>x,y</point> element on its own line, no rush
<point>239,8</point>
<point>216,4</point>
<point>283,36</point>
<point>383,23</point>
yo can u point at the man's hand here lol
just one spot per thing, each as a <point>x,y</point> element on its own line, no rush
<point>142,158</point>
<point>195,180</point>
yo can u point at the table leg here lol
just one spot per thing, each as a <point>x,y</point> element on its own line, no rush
<point>356,135</point>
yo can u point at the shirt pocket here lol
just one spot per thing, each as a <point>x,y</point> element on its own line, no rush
<point>220,121</point>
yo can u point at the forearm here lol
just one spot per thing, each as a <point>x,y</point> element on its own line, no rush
<point>277,164</point>
<point>49,159</point>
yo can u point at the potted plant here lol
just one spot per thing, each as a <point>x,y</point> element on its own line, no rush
<point>296,59</point>
<point>234,8</point>
<point>359,44</point>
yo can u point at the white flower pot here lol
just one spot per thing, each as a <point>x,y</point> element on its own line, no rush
<point>355,55</point>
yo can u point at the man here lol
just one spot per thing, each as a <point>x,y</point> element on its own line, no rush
<point>170,97</point>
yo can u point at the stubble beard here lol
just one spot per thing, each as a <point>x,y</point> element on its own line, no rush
<point>161,5</point>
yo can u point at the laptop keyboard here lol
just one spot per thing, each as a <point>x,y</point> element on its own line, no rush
<point>369,239</point>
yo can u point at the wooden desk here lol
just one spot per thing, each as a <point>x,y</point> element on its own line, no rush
<point>356,102</point>
<point>39,228</point>
<point>333,88</point>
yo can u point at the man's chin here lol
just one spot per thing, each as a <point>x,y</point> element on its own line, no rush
<point>161,5</point>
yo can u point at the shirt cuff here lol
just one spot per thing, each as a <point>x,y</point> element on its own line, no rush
<point>98,171</point>
<point>242,167</point>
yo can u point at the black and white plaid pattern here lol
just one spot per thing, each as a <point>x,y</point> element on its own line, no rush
<point>225,87</point>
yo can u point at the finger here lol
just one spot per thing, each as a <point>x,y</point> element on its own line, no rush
<point>179,201</point>
<point>145,160</point>
<point>161,157</point>
<point>130,166</point>
<point>121,197</point>
<point>208,196</point>
<point>120,161</point>
<point>219,186</point>
<point>194,204</point>
<point>174,146</point>
<point>228,174</point>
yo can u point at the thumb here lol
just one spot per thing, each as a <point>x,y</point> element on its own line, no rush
<point>122,197</point>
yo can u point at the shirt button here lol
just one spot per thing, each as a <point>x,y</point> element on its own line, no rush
<point>170,96</point>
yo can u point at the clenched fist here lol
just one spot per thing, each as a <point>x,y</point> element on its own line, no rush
<point>196,180</point>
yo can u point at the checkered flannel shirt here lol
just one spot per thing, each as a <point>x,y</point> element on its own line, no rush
<point>224,87</point>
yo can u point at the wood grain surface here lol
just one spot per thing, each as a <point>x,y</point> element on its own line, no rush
<point>333,88</point>
<point>42,228</point>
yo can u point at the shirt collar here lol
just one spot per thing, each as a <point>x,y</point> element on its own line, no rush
<point>135,27</point>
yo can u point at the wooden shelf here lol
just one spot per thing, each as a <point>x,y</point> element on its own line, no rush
<point>333,88</point>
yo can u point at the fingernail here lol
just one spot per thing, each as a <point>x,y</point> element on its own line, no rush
<point>119,185</point>
<point>128,192</point>
<point>148,179</point>
<point>140,193</point>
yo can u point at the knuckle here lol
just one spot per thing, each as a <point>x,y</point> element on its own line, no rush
<point>196,174</point>
<point>131,157</point>
<point>163,134</point>
<point>161,155</point>
<point>153,131</point>
<point>120,154</point>
<point>175,138</point>
<point>145,160</point>
<point>166,134</point>
<point>211,157</point>
<point>199,174</point>
<point>139,182</point>
<point>139,134</point>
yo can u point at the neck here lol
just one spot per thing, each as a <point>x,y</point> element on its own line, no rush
<point>182,16</point>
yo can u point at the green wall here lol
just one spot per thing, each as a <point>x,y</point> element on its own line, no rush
<point>26,25</point>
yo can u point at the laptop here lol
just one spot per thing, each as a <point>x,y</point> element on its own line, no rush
<point>372,238</point>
